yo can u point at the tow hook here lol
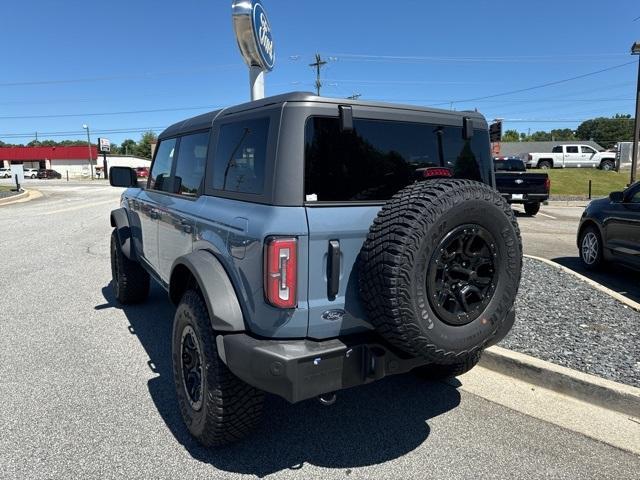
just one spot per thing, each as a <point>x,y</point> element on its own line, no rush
<point>327,399</point>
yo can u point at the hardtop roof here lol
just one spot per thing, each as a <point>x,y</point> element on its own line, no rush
<point>205,120</point>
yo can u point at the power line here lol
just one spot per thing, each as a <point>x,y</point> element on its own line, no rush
<point>543,85</point>
<point>104,114</point>
<point>474,59</point>
<point>119,77</point>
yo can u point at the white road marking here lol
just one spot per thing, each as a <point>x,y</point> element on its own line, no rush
<point>546,215</point>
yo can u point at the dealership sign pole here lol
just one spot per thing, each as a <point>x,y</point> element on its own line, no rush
<point>253,33</point>
<point>104,146</point>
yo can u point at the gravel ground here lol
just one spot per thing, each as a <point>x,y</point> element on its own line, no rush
<point>568,322</point>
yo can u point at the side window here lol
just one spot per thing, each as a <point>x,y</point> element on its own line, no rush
<point>190,165</point>
<point>588,150</point>
<point>161,170</point>
<point>241,157</point>
<point>635,198</point>
<point>557,149</point>
<point>572,149</point>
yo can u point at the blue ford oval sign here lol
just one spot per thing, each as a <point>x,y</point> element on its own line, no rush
<point>253,32</point>
<point>262,31</point>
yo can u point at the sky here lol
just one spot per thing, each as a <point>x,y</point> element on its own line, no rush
<point>123,67</point>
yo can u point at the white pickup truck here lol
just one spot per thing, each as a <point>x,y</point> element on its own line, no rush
<point>572,156</point>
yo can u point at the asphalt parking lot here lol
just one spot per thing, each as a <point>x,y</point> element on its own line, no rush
<point>86,385</point>
<point>552,235</point>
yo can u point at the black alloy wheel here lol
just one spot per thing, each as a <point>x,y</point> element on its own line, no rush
<point>191,363</point>
<point>461,275</point>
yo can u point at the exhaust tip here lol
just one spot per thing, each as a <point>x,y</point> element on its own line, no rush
<point>327,399</point>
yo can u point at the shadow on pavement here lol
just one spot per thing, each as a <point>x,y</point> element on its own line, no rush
<point>616,277</point>
<point>366,426</point>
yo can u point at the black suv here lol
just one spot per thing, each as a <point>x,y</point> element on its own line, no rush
<point>315,244</point>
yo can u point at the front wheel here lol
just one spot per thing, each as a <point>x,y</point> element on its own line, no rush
<point>217,407</point>
<point>130,281</point>
<point>532,208</point>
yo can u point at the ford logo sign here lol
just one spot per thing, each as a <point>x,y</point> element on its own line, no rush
<point>262,31</point>
<point>333,315</point>
<point>253,32</point>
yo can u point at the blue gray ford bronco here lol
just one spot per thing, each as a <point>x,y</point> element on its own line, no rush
<point>314,244</point>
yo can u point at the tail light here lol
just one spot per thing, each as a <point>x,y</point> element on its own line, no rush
<point>547,184</point>
<point>281,272</point>
<point>435,172</point>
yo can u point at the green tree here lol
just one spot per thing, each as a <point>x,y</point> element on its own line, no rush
<point>128,147</point>
<point>539,136</point>
<point>143,148</point>
<point>563,134</point>
<point>511,136</point>
<point>607,131</point>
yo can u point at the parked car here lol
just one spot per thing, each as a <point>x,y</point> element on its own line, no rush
<point>610,230</point>
<point>572,156</point>
<point>47,173</point>
<point>370,242</point>
<point>142,172</point>
<point>30,172</point>
<point>5,173</point>
<point>517,186</point>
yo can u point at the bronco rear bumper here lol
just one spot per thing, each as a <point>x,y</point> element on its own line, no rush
<point>300,369</point>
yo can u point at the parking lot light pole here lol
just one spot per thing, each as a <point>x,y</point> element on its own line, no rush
<point>86,127</point>
<point>635,50</point>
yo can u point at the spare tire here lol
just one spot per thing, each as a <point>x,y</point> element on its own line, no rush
<point>440,268</point>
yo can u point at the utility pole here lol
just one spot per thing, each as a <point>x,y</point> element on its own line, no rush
<point>635,50</point>
<point>86,127</point>
<point>36,138</point>
<point>319,63</point>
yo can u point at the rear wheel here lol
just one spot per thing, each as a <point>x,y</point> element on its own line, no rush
<point>591,248</point>
<point>216,406</point>
<point>130,281</point>
<point>607,165</point>
<point>532,208</point>
<point>545,164</point>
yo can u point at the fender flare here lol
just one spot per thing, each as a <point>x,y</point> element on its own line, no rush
<point>120,221</point>
<point>216,287</point>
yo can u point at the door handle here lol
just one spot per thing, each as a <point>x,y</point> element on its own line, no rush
<point>154,214</point>
<point>186,226</point>
<point>333,269</point>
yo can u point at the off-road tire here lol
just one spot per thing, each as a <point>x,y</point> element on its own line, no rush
<point>396,258</point>
<point>532,208</point>
<point>435,371</point>
<point>596,263</point>
<point>545,164</point>
<point>130,281</point>
<point>230,408</point>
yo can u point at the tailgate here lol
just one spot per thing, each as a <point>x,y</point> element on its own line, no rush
<point>524,183</point>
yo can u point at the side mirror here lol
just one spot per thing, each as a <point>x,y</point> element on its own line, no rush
<point>616,197</point>
<point>123,177</point>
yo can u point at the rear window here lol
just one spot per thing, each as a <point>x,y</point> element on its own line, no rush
<point>241,157</point>
<point>510,166</point>
<point>378,158</point>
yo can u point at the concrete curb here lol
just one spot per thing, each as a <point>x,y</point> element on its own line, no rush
<point>589,388</point>
<point>11,199</point>
<point>25,196</point>
<point>621,298</point>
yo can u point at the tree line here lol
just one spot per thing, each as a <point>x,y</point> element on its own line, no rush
<point>141,148</point>
<point>605,131</point>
